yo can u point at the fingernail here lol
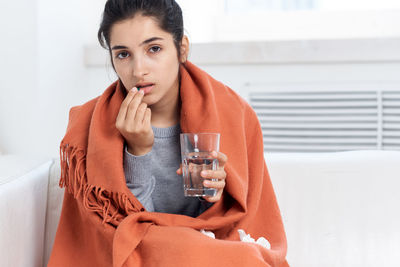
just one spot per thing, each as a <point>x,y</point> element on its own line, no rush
<point>206,183</point>
<point>142,92</point>
<point>204,172</point>
<point>214,153</point>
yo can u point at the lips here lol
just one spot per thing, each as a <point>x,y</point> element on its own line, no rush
<point>146,87</point>
<point>143,85</point>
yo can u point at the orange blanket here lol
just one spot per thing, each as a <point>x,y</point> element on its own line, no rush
<point>103,224</point>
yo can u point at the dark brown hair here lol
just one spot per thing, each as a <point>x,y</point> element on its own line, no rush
<point>167,13</point>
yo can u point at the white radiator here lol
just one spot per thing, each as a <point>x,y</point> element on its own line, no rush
<point>327,120</point>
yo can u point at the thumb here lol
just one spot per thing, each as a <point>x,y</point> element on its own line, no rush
<point>179,171</point>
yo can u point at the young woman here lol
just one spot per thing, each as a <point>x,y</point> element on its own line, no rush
<point>124,203</point>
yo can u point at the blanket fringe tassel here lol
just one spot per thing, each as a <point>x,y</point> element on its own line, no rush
<point>111,206</point>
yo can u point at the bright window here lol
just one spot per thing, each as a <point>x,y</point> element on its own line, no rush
<point>263,20</point>
<point>251,6</point>
<point>240,6</point>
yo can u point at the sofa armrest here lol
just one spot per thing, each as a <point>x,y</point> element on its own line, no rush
<point>54,206</point>
<point>23,198</point>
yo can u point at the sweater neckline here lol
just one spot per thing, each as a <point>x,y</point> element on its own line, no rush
<point>167,132</point>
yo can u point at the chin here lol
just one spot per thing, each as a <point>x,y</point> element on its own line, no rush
<point>149,100</point>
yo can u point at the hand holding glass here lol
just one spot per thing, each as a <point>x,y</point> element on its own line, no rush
<point>196,155</point>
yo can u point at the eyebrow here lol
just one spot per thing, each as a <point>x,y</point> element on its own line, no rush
<point>116,47</point>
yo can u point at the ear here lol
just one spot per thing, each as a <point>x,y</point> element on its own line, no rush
<point>184,49</point>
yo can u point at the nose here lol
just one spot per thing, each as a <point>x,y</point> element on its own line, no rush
<point>139,68</point>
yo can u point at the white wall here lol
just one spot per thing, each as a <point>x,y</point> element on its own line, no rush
<point>63,81</point>
<point>18,79</point>
<point>42,69</point>
<point>43,72</point>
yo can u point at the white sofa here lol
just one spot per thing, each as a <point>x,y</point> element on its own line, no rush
<point>339,209</point>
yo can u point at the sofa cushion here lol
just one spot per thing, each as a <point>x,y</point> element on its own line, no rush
<point>339,209</point>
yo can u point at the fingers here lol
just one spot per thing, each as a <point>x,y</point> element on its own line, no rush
<point>140,115</point>
<point>147,118</point>
<point>209,174</point>
<point>218,181</point>
<point>179,171</point>
<point>220,184</point>
<point>124,107</point>
<point>133,107</point>
<point>219,174</point>
<point>215,198</point>
<point>134,115</point>
<point>222,158</point>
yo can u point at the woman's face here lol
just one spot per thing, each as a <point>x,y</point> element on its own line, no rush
<point>145,56</point>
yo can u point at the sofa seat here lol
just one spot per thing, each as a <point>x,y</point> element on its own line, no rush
<point>339,209</point>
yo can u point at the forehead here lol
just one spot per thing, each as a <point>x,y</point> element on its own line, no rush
<point>135,30</point>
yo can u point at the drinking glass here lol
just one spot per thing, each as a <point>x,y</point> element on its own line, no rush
<point>196,156</point>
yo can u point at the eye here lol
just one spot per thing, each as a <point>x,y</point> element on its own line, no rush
<point>155,49</point>
<point>122,55</point>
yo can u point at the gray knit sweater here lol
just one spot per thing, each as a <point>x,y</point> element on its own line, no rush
<point>153,180</point>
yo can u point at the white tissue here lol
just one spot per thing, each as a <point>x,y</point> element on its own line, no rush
<point>207,233</point>
<point>247,238</point>
<point>264,242</point>
<point>243,237</point>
